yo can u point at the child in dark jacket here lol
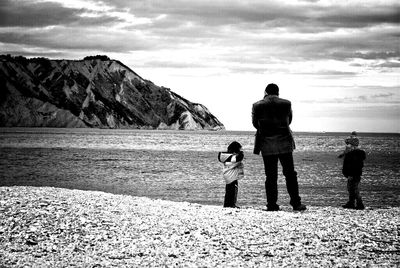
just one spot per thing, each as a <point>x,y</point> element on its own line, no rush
<point>232,172</point>
<point>353,164</point>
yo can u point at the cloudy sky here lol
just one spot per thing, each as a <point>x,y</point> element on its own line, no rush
<point>337,61</point>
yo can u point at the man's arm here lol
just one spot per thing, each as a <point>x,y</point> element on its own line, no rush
<point>290,114</point>
<point>253,117</point>
<point>257,141</point>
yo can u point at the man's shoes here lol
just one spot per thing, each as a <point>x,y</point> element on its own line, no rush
<point>299,207</point>
<point>272,208</point>
<point>360,206</point>
<point>232,207</point>
<point>349,205</point>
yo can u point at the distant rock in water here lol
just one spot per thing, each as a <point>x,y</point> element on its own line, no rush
<point>94,92</point>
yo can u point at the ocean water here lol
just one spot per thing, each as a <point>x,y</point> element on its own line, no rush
<point>183,165</point>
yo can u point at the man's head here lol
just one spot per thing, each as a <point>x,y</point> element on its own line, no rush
<point>272,89</point>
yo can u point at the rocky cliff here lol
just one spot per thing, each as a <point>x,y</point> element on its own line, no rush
<point>94,92</point>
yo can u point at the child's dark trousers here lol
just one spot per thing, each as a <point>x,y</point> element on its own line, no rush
<point>231,191</point>
<point>354,190</point>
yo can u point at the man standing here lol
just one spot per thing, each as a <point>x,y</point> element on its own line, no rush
<point>271,117</point>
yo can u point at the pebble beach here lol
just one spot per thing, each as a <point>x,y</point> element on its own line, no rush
<point>56,227</point>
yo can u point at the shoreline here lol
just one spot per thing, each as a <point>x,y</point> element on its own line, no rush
<point>250,132</point>
<point>56,227</point>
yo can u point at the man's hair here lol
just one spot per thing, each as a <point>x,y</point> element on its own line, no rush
<point>272,89</point>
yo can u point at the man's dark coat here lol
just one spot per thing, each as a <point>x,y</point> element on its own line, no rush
<point>271,117</point>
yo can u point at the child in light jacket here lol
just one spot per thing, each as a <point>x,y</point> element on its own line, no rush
<point>232,171</point>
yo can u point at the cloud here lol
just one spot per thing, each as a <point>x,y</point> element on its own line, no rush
<point>350,111</point>
<point>34,54</point>
<point>42,14</point>
<point>285,32</point>
<point>61,38</point>
<point>328,73</point>
<point>331,14</point>
<point>22,13</point>
<point>359,15</point>
<point>382,98</point>
<point>172,64</point>
<point>372,55</point>
<point>253,16</point>
<point>389,65</point>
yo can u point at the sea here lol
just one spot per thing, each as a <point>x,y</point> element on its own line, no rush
<point>183,166</point>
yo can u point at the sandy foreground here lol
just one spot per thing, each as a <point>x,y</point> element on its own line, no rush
<point>54,227</point>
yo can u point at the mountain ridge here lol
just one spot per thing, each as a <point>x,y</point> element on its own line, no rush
<point>93,92</point>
